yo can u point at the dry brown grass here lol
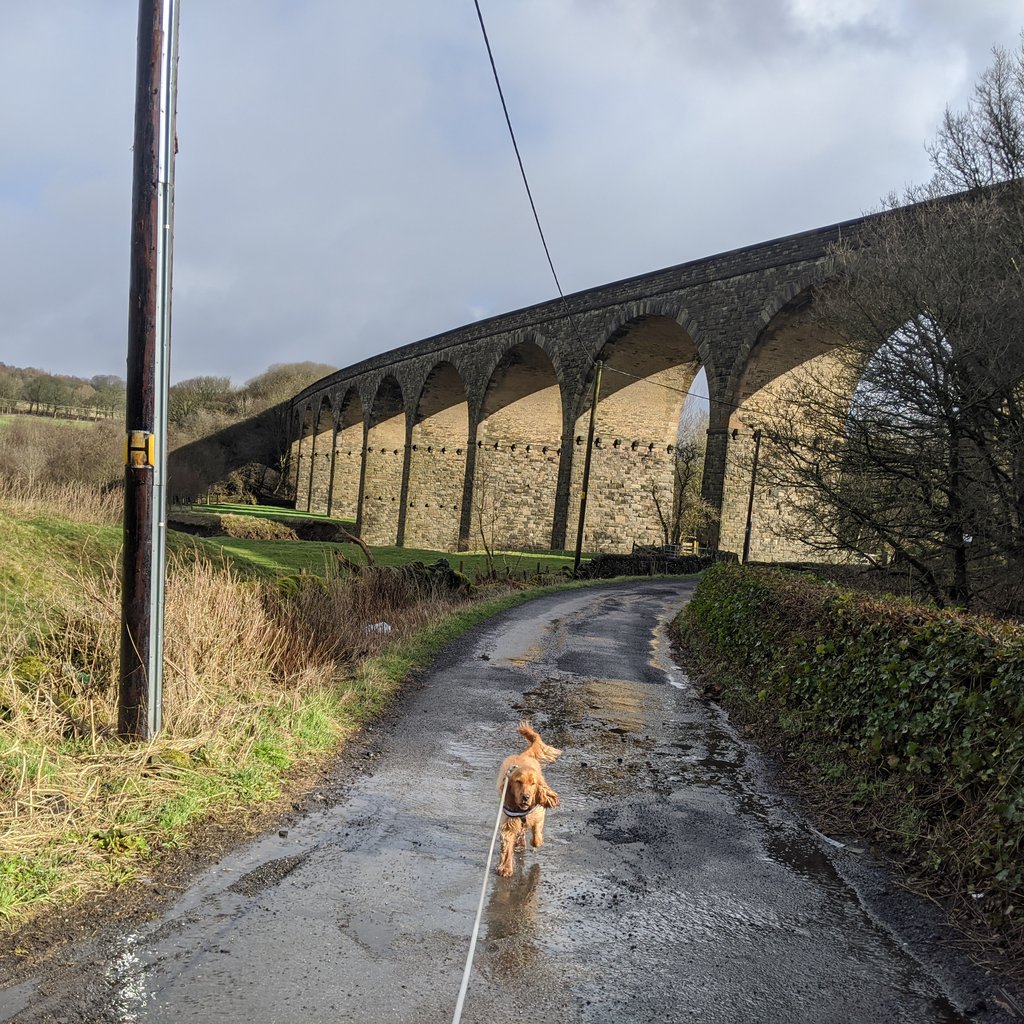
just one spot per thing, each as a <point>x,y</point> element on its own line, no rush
<point>76,501</point>
<point>35,449</point>
<point>329,618</point>
<point>256,674</point>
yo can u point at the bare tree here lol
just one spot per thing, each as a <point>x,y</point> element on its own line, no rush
<point>907,441</point>
<point>685,514</point>
<point>280,383</point>
<point>10,391</point>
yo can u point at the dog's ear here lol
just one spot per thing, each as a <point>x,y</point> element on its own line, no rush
<point>546,796</point>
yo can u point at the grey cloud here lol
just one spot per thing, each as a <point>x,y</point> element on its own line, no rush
<point>346,184</point>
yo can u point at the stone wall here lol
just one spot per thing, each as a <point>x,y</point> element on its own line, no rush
<point>437,467</point>
<point>301,462</point>
<point>437,475</point>
<point>513,497</point>
<point>347,463</point>
<point>384,467</point>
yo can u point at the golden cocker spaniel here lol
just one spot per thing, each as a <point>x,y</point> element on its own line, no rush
<point>526,797</point>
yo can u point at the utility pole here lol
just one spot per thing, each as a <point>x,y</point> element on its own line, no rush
<point>598,366</point>
<point>750,500</point>
<point>149,333</point>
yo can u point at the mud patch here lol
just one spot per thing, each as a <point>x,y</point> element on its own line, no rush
<point>266,875</point>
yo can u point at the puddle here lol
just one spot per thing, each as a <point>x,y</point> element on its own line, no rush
<point>513,904</point>
<point>477,755</point>
<point>127,977</point>
<point>16,998</point>
<point>375,936</point>
<point>802,855</point>
<point>531,655</point>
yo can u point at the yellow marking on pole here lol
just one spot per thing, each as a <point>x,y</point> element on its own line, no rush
<point>140,449</point>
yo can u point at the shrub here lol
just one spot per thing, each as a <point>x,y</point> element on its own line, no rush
<point>921,706</point>
<point>36,452</point>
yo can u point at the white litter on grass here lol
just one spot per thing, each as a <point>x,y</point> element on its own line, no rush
<point>378,627</point>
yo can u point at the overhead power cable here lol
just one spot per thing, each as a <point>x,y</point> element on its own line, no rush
<point>515,146</point>
<point>540,229</point>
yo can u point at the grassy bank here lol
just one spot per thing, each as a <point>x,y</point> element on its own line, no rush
<point>898,721</point>
<point>260,678</point>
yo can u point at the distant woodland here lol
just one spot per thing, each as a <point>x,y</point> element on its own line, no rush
<point>223,439</point>
<point>59,395</point>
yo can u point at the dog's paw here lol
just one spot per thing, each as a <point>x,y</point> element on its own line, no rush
<point>505,871</point>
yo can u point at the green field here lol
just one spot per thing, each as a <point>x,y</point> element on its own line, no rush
<point>264,512</point>
<point>287,557</point>
<point>7,419</point>
<point>30,542</point>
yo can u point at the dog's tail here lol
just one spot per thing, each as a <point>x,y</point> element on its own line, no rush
<point>538,748</point>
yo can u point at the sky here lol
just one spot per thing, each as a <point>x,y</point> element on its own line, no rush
<point>345,180</point>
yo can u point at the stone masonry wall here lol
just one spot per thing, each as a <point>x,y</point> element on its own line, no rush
<point>712,313</point>
<point>513,497</point>
<point>434,508</point>
<point>348,457</point>
<point>382,494</point>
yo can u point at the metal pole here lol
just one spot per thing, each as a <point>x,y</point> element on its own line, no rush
<point>599,366</point>
<point>149,330</point>
<point>750,500</point>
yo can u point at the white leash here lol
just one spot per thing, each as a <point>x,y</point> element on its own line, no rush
<point>480,910</point>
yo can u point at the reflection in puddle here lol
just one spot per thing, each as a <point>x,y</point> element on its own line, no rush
<point>511,917</point>
<point>531,654</point>
<point>127,976</point>
<point>800,854</point>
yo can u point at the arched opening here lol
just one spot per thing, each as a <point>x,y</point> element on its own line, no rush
<point>518,447</point>
<point>320,457</point>
<point>793,359</point>
<point>385,459</point>
<point>636,485</point>
<point>897,452</point>
<point>348,459</point>
<point>302,449</point>
<point>437,466</point>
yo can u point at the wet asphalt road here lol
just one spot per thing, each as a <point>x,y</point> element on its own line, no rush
<point>675,884</point>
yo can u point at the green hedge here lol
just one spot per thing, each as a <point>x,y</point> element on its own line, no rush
<point>914,714</point>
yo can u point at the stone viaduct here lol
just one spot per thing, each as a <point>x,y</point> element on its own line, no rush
<point>478,433</point>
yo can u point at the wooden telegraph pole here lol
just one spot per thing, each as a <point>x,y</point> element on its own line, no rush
<point>750,499</point>
<point>149,332</point>
<point>599,366</point>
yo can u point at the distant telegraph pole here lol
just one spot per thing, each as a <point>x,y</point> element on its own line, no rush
<point>581,524</point>
<point>149,333</point>
<point>750,499</point>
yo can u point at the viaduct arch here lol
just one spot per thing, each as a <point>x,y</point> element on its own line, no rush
<point>478,432</point>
